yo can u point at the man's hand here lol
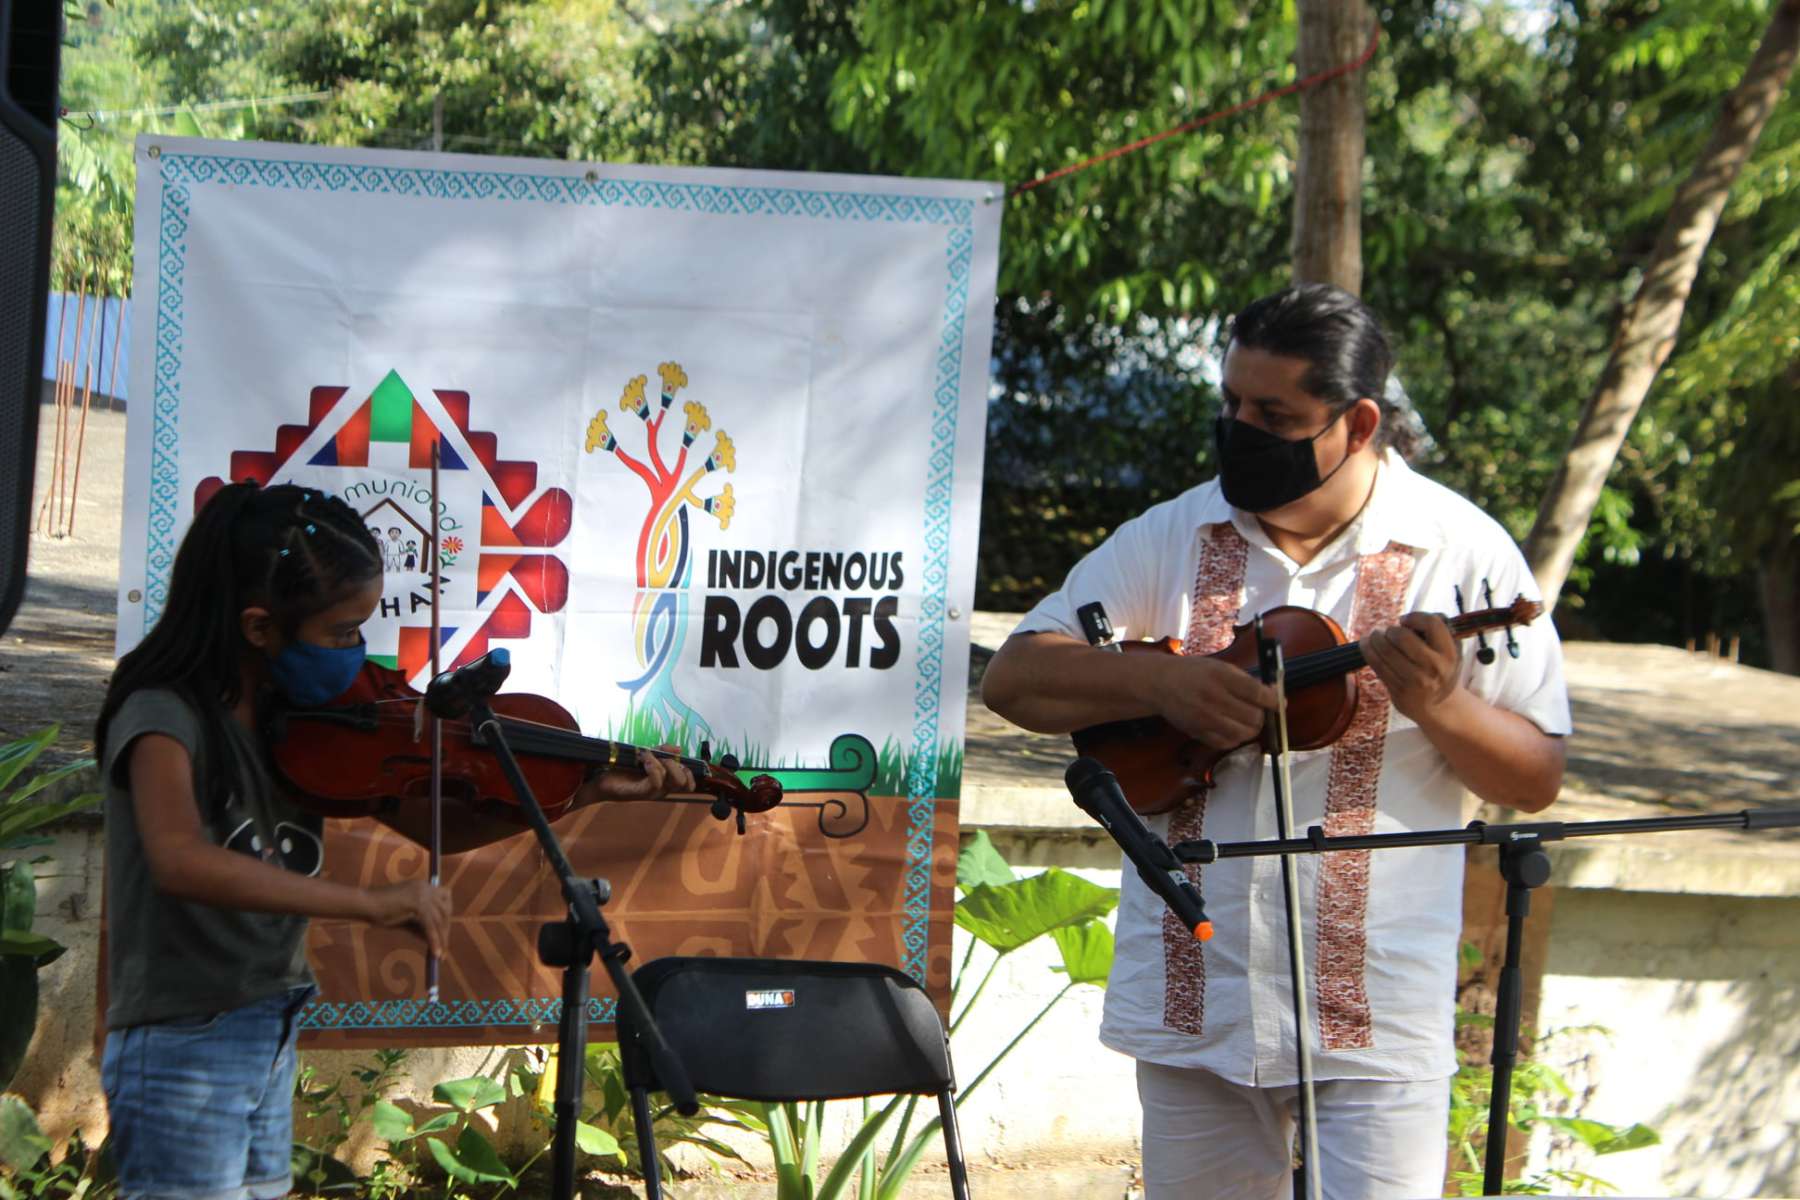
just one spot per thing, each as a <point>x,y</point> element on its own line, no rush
<point>419,903</point>
<point>1217,704</point>
<point>1417,660</point>
<point>660,777</point>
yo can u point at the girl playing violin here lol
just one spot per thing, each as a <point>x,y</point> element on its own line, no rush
<point>211,871</point>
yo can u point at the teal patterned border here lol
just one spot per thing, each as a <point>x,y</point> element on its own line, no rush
<point>180,173</point>
<point>447,1014</point>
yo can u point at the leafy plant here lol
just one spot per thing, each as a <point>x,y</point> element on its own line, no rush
<point>1534,1084</point>
<point>23,814</point>
<point>1002,912</point>
<point>29,1169</point>
<point>469,1157</point>
<point>612,1116</point>
<point>316,1166</point>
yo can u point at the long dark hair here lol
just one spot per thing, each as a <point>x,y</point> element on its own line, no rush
<point>294,551</point>
<point>1343,340</point>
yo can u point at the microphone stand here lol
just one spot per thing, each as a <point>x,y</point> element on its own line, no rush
<point>570,944</point>
<point>1525,865</point>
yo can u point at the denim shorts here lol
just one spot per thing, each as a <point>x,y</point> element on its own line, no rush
<point>202,1108</point>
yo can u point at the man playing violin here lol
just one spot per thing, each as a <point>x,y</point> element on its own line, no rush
<point>1314,506</point>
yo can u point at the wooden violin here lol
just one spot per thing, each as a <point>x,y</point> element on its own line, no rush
<point>368,755</point>
<point>1159,767</point>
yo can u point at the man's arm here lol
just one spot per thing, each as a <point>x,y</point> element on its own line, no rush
<point>1499,755</point>
<point>1053,683</point>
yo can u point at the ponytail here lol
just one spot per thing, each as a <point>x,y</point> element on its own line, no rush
<point>292,550</point>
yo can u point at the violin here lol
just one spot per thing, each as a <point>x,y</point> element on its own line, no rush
<point>369,754</point>
<point>1159,767</point>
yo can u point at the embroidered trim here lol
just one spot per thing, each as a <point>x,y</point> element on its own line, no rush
<point>1345,1021</point>
<point>1218,596</point>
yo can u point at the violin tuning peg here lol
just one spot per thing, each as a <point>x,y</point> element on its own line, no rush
<point>721,809</point>
<point>1485,656</point>
<point>730,763</point>
<point>705,751</point>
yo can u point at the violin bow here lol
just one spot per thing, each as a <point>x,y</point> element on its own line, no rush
<point>1272,667</point>
<point>437,729</point>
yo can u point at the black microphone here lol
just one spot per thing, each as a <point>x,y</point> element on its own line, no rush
<point>453,693</point>
<point>1097,793</point>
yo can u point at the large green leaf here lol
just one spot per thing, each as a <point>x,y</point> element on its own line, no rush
<point>40,782</point>
<point>16,820</point>
<point>22,1143</point>
<point>1007,916</point>
<point>16,756</point>
<point>18,1013</point>
<point>852,1155</point>
<point>473,1160</point>
<point>1087,951</point>
<point>394,1124</point>
<point>469,1095</point>
<point>42,951</point>
<point>18,897</point>
<point>980,863</point>
<point>1602,1138</point>
<point>594,1140</point>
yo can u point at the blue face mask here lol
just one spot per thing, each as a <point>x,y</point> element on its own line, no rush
<point>310,675</point>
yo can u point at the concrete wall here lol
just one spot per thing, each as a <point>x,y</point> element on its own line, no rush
<point>1696,1000</point>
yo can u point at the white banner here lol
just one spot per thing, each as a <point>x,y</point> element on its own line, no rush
<point>711,440</point>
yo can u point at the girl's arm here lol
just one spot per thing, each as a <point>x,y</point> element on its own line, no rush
<point>184,863</point>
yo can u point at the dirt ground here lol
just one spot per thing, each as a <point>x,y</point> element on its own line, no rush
<point>1657,729</point>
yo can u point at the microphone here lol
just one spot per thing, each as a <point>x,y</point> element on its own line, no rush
<point>453,693</point>
<point>1097,793</point>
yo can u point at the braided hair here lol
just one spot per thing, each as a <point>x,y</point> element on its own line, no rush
<point>294,551</point>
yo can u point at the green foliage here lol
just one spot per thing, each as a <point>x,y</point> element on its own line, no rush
<point>1516,177</point>
<point>998,910</point>
<point>1535,1086</point>
<point>472,1159</point>
<point>27,1171</point>
<point>336,1110</point>
<point>23,814</point>
<point>611,1118</point>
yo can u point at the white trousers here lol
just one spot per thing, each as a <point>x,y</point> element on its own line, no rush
<point>1208,1139</point>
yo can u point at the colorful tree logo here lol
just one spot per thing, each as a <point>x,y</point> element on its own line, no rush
<point>664,549</point>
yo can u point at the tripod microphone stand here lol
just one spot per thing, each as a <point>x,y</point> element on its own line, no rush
<point>569,943</point>
<point>1525,865</point>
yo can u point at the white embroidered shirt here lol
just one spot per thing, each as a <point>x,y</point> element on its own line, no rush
<point>1381,982</point>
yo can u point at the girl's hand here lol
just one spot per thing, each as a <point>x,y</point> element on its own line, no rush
<point>419,903</point>
<point>660,777</point>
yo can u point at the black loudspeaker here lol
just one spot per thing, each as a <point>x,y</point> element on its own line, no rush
<point>30,45</point>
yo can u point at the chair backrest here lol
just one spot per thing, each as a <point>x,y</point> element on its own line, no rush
<point>764,1029</point>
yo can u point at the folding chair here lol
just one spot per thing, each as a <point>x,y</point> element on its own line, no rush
<point>778,1031</point>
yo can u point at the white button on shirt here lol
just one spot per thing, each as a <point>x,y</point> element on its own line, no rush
<point>1144,575</point>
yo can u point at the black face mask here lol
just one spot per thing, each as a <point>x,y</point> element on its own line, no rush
<point>1259,471</point>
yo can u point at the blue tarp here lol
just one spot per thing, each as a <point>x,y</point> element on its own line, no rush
<point>103,323</point>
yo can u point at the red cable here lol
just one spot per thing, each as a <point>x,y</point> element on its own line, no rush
<point>1299,85</point>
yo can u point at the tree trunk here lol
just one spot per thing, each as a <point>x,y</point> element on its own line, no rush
<point>1647,328</point>
<point>1778,577</point>
<point>1328,178</point>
